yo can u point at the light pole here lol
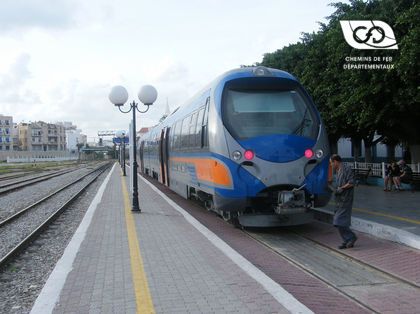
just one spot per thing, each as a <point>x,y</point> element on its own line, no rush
<point>121,136</point>
<point>119,96</point>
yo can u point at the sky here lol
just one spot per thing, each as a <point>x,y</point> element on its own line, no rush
<point>60,58</point>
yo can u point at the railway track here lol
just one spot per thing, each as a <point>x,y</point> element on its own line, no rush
<point>19,184</point>
<point>343,273</point>
<point>13,176</point>
<point>25,226</point>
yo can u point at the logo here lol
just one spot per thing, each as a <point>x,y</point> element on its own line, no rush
<point>369,34</point>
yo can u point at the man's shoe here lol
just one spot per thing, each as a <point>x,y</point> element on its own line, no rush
<point>351,243</point>
<point>343,246</point>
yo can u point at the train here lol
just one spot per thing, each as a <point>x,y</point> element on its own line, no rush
<point>250,146</point>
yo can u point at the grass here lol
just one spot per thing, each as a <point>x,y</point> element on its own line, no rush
<point>33,167</point>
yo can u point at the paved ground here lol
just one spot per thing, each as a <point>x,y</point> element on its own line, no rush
<point>185,273</point>
<point>393,216</point>
<point>397,209</point>
<point>315,294</point>
<point>157,261</point>
<point>390,296</point>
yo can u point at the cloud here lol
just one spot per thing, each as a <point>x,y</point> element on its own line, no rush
<point>88,107</point>
<point>13,85</point>
<point>172,72</point>
<point>23,14</point>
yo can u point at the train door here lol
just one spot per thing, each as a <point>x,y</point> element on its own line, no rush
<point>161,157</point>
<point>165,155</point>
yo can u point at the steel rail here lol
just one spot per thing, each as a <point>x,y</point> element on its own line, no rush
<point>24,210</point>
<point>311,272</point>
<point>34,234</point>
<point>10,177</point>
<point>15,185</point>
<point>357,260</point>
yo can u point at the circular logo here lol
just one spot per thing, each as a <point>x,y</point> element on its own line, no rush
<point>369,34</point>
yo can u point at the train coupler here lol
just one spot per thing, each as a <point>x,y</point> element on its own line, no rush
<point>291,202</point>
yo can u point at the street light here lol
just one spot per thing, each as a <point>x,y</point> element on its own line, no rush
<point>121,135</point>
<point>119,96</point>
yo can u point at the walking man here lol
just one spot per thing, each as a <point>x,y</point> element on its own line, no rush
<point>344,202</point>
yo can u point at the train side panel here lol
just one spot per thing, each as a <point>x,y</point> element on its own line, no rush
<point>199,151</point>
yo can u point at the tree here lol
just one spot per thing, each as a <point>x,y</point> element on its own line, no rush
<point>361,103</point>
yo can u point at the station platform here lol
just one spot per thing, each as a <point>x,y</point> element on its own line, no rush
<point>168,259</point>
<point>153,261</point>
<point>393,215</point>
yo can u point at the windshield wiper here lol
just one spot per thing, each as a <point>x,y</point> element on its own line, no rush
<point>302,125</point>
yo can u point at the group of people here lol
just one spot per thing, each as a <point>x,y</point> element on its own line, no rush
<point>397,173</point>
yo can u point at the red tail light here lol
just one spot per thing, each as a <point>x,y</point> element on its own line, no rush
<point>309,153</point>
<point>249,154</point>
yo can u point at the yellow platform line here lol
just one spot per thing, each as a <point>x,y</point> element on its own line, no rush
<point>413,221</point>
<point>141,288</point>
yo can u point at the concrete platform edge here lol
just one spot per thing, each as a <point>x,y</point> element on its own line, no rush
<point>380,230</point>
<point>50,293</point>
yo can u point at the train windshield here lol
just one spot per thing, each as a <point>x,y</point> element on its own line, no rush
<point>252,113</point>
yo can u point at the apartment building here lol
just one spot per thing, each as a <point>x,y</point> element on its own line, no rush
<point>15,137</point>
<point>6,139</point>
<point>42,136</point>
<point>74,136</point>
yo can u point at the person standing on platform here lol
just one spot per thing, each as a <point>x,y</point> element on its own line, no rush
<point>344,193</point>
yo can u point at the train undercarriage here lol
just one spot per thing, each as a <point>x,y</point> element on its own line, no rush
<point>271,208</point>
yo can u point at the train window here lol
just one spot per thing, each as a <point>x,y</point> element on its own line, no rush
<point>199,127</point>
<point>205,141</point>
<point>184,132</point>
<point>170,137</point>
<point>252,113</point>
<point>177,135</point>
<point>173,137</point>
<point>193,123</point>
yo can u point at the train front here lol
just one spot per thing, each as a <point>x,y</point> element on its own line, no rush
<point>278,144</point>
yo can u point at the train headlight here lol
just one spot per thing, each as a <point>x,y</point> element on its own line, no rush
<point>249,154</point>
<point>309,153</point>
<point>319,153</point>
<point>236,155</point>
<point>262,71</point>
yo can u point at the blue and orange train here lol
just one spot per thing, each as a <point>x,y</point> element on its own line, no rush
<point>251,146</point>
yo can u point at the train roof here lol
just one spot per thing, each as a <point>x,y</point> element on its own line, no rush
<point>254,71</point>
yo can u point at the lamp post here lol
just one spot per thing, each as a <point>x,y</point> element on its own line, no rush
<point>119,96</point>
<point>121,136</point>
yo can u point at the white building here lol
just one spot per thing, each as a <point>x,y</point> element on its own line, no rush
<point>345,150</point>
<point>72,139</point>
<point>74,136</point>
<point>6,128</point>
<point>15,137</point>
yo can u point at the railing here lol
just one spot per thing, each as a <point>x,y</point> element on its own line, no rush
<point>31,156</point>
<point>378,169</point>
<point>415,167</point>
<point>21,159</point>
